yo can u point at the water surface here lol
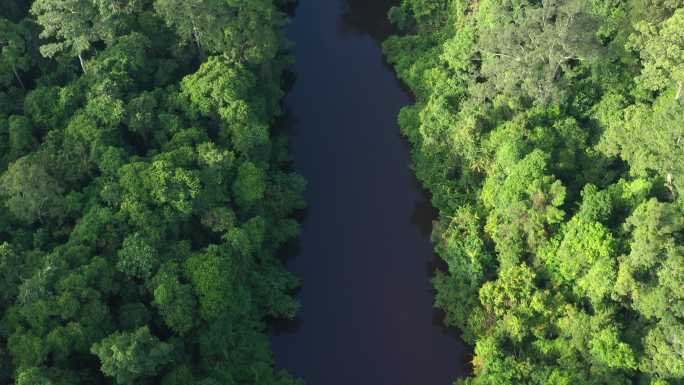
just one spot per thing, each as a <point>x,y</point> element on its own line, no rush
<point>365,257</point>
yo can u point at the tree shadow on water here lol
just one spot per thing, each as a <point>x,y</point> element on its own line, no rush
<point>368,17</point>
<point>465,351</point>
<point>424,214</point>
<point>281,326</point>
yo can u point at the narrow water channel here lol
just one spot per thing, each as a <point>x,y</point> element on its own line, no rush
<point>365,258</point>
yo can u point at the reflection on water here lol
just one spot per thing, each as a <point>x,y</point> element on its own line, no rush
<point>424,215</point>
<point>368,17</point>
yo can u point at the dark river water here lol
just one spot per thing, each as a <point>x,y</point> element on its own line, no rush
<point>365,257</point>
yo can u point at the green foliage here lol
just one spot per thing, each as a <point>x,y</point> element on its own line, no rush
<point>142,199</point>
<point>524,204</point>
<point>231,28</point>
<point>647,137</point>
<point>662,53</point>
<point>249,186</point>
<point>228,91</point>
<point>72,22</point>
<point>652,273</point>
<point>462,248</point>
<point>175,300</point>
<point>212,275</point>
<point>131,356</point>
<point>137,258</point>
<point>31,193</point>
<point>21,139</point>
<point>529,50</point>
<point>15,51</point>
<point>607,349</point>
<point>585,259</point>
<point>549,135</point>
<point>663,350</point>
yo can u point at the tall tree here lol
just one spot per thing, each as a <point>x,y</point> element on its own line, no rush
<point>528,49</point>
<point>14,51</point>
<point>238,29</point>
<point>72,23</point>
<point>31,192</point>
<point>131,356</point>
<point>76,24</point>
<point>661,47</point>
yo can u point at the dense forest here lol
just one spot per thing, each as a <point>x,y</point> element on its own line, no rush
<point>143,193</point>
<point>549,134</point>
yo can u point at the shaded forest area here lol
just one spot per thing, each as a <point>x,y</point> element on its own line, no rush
<point>143,194</point>
<point>549,133</point>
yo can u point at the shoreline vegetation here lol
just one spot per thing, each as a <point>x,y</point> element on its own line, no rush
<point>549,134</point>
<point>143,195</point>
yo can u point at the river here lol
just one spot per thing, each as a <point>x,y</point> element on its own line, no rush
<point>365,257</point>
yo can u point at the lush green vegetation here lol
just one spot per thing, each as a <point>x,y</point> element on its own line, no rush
<point>549,133</point>
<point>142,193</point>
